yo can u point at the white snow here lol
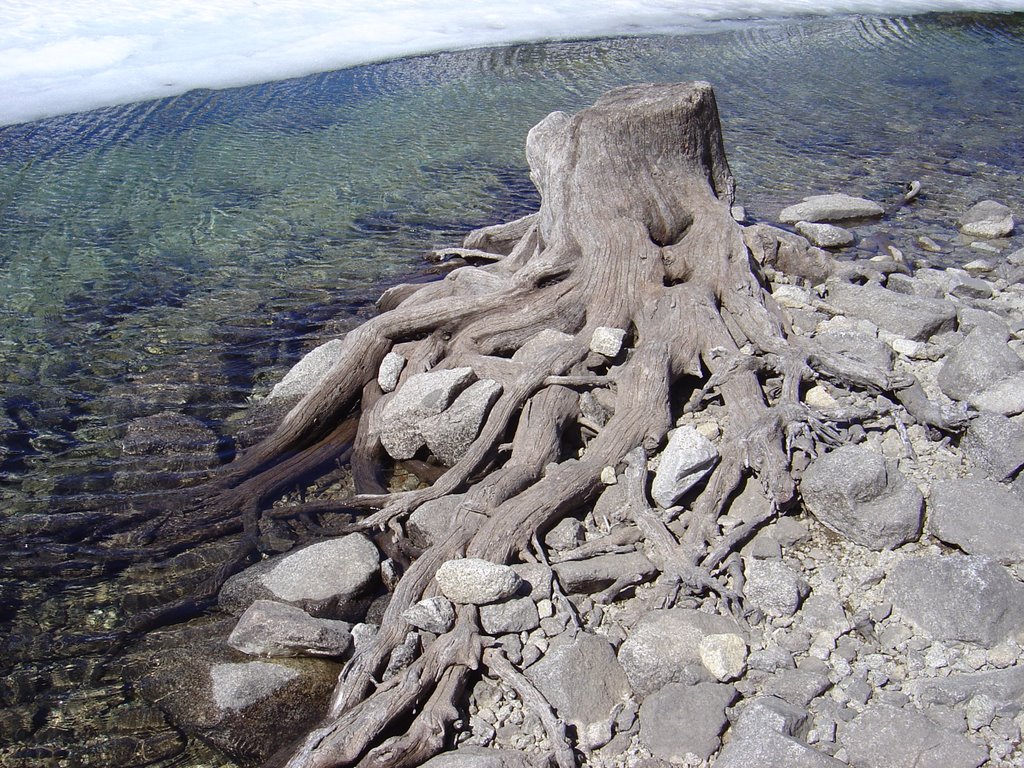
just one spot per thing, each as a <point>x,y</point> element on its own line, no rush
<point>61,56</point>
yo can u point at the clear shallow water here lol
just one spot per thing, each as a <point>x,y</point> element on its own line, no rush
<point>180,254</point>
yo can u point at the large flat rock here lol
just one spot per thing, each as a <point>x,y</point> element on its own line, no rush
<point>836,207</point>
<point>912,317</point>
<point>981,517</point>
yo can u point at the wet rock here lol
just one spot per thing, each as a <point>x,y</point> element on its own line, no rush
<point>774,587</point>
<point>863,497</point>
<point>682,719</point>
<point>957,597</point>
<point>981,517</point>
<point>390,370</point>
<point>686,460</point>
<point>825,235</point>
<point>987,219</point>
<point>274,629</point>
<point>830,208</point>
<point>419,398</point>
<point>597,573</point>
<point>977,363</point>
<point>664,647</point>
<point>449,434</point>
<point>903,738</point>
<point>607,341</point>
<point>995,445</point>
<point>581,678</point>
<point>165,450</point>
<point>912,317</point>
<point>764,748</point>
<point>480,757</point>
<point>509,616</point>
<point>470,580</point>
<point>435,614</point>
<point>321,578</point>
<point>309,371</point>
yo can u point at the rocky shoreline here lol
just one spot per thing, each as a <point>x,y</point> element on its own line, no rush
<point>885,613</point>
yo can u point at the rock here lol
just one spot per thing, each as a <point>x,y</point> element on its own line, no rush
<point>435,614</point>
<point>975,364</point>
<point>965,286</point>
<point>830,208</point>
<point>773,714</point>
<point>1005,397</point>
<point>724,656</point>
<point>449,434</point>
<point>271,629</point>
<point>798,686</point>
<point>567,534</point>
<point>239,686</point>
<point>686,460</point>
<point>597,573</point>
<point>607,341</point>
<point>987,219</point>
<point>902,738</point>
<point>681,719</point>
<point>390,369</point>
<point>857,346</point>
<point>435,519</point>
<point>825,235</point>
<point>914,286</point>
<point>320,578</point>
<point>509,616</point>
<point>957,597</point>
<point>774,587</point>
<point>309,371</point>
<point>664,647</point>
<point>420,397</point>
<point>995,445</point>
<point>581,678</point>
<point>165,450</point>
<point>912,317</point>
<point>480,757</point>
<point>863,497</point>
<point>473,581</point>
<point>1004,687</point>
<point>979,516</point>
<point>765,748</point>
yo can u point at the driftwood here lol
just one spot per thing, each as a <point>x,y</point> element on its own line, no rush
<point>634,233</point>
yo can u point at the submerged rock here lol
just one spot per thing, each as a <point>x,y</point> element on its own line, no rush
<point>271,629</point>
<point>988,219</point>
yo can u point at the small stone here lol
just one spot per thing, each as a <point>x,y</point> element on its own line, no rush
<point>421,397</point>
<point>929,244</point>
<point>390,370</point>
<point>980,711</point>
<point>686,460</point>
<point>798,686</point>
<point>834,207</point>
<point>567,534</point>
<point>435,614</point>
<point>608,476</point>
<point>725,656</point>
<point>607,341</point>
<point>988,219</point>
<point>819,397</point>
<point>774,587</point>
<point>476,582</point>
<point>825,235</point>
<point>518,615</point>
<point>774,714</point>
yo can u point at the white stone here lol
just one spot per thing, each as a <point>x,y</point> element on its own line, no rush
<point>608,476</point>
<point>819,397</point>
<point>607,341</point>
<point>309,371</point>
<point>830,208</point>
<point>342,566</point>
<point>390,369</point>
<point>686,460</point>
<point>987,219</point>
<point>435,614</point>
<point>791,296</point>
<point>825,235</point>
<point>725,656</point>
<point>476,582</point>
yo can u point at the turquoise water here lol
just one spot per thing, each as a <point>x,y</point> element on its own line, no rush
<point>180,255</point>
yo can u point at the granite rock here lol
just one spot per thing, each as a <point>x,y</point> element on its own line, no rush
<point>449,434</point>
<point>765,748</point>
<point>912,317</point>
<point>977,363</point>
<point>988,219</point>
<point>597,573</point>
<point>686,460</point>
<point>476,582</point>
<point>981,517</point>
<point>309,371</point>
<point>683,719</point>
<point>419,398</point>
<point>830,208</point>
<point>994,444</point>
<point>434,614</point>
<point>272,629</point>
<point>903,738</point>
<point>825,235</point>
<point>774,587</point>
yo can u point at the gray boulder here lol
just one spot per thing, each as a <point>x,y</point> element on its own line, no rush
<point>480,757</point>
<point>664,646</point>
<point>830,208</point>
<point>987,219</point>
<point>1005,397</point>
<point>581,678</point>
<point>1005,687</point>
<point>773,714</point>
<point>981,517</point>
<point>597,573</point>
<point>773,586</point>
<point>322,578</point>
<point>681,719</point>
<point>858,346</point>
<point>764,748</point>
<point>418,399</point>
<point>977,363</point>
<point>912,317</point>
<point>901,738</point>
<point>957,597</point>
<point>863,497</point>
<point>449,434</point>
<point>309,371</point>
<point>271,629</point>
<point>824,235</point>
<point>473,581</point>
<point>435,614</point>
<point>435,519</point>
<point>686,460</point>
<point>518,615</point>
<point>995,445</point>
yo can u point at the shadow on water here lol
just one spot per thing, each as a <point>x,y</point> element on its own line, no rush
<point>169,260</point>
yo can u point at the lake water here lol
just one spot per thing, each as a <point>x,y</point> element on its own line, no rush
<point>178,255</point>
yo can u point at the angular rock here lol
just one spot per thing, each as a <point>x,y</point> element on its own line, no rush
<point>309,371</point>
<point>825,235</point>
<point>912,317</point>
<point>981,517</point>
<point>320,578</point>
<point>830,208</point>
<point>976,364</point>
<point>435,519</point>
<point>449,434</point>
<point>798,687</point>
<point>435,614</point>
<point>774,587</point>
<point>903,738</point>
<point>863,497</point>
<point>1005,687</point>
<point>390,369</point>
<point>773,714</point>
<point>686,460</point>
<point>272,629</point>
<point>470,580</point>
<point>607,341</point>
<point>765,748</point>
<point>957,597</point>
<point>857,346</point>
<point>681,719</point>
<point>480,757</point>
<point>420,397</point>
<point>597,573</point>
<point>724,656</point>
<point>966,286</point>
<point>988,219</point>
<point>995,445</point>
<point>567,534</point>
<point>581,678</point>
<point>1005,397</point>
<point>509,616</point>
<point>664,647</point>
